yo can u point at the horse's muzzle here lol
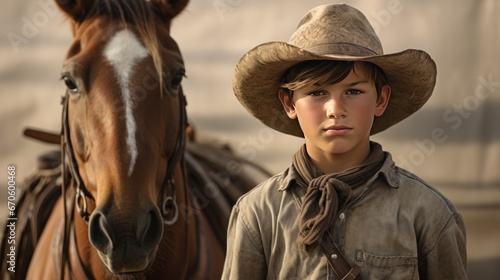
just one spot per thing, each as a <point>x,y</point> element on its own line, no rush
<point>126,245</point>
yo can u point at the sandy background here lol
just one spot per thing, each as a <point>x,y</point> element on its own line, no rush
<point>462,36</point>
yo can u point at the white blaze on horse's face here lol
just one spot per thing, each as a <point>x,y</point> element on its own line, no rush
<point>123,51</point>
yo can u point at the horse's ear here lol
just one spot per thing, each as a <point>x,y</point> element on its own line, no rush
<point>170,8</point>
<point>75,9</point>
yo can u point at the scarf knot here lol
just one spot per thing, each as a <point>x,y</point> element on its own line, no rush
<point>327,194</point>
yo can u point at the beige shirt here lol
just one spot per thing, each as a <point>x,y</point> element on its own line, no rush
<point>398,228</point>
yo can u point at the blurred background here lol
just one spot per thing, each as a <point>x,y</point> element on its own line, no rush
<point>453,142</point>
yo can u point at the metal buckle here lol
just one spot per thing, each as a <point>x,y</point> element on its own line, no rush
<point>170,210</point>
<point>80,196</point>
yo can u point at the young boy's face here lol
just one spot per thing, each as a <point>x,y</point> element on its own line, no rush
<point>336,119</point>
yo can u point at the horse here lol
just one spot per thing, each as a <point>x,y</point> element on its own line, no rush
<point>128,208</point>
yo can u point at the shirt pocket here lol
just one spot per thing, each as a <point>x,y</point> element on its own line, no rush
<point>387,267</point>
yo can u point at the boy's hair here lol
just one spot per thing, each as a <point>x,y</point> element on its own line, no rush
<point>328,72</point>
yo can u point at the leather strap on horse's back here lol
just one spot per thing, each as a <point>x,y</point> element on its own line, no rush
<point>39,194</point>
<point>338,263</point>
<point>44,136</point>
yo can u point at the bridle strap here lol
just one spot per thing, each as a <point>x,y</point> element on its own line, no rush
<point>81,193</point>
<point>66,182</point>
<point>170,209</point>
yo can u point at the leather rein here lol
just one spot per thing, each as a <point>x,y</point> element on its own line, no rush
<point>170,209</point>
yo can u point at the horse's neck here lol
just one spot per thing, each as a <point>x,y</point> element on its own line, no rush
<point>204,259</point>
<point>177,251</point>
<point>85,253</point>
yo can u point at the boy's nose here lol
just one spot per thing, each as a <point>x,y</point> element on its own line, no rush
<point>335,109</point>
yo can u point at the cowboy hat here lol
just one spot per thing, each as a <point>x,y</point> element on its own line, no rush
<point>331,32</point>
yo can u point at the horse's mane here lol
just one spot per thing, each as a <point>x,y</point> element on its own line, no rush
<point>141,15</point>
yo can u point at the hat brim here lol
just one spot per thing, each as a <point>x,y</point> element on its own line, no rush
<point>410,73</point>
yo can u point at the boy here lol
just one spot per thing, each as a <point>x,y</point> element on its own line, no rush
<point>342,210</point>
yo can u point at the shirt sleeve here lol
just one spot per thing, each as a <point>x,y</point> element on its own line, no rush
<point>448,257</point>
<point>244,257</point>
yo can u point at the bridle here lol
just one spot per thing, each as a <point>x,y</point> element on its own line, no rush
<point>71,177</point>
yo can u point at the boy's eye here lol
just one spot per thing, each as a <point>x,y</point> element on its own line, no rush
<point>353,92</point>
<point>316,93</point>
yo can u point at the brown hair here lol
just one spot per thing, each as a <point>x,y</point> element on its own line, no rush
<point>328,72</point>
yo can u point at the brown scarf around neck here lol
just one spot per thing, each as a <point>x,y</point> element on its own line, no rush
<point>327,194</point>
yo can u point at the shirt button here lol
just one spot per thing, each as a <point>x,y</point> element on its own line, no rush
<point>342,216</point>
<point>334,256</point>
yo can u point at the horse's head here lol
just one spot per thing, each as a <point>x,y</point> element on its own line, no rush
<point>123,74</point>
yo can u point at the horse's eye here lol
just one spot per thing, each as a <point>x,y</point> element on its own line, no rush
<point>177,79</point>
<point>70,84</point>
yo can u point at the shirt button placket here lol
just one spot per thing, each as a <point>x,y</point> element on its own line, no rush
<point>337,234</point>
<point>342,228</point>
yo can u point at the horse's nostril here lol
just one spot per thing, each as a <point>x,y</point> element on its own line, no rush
<point>152,230</point>
<point>100,233</point>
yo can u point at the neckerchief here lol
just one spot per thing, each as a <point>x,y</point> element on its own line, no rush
<point>326,194</point>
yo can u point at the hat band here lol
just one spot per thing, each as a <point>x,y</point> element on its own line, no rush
<point>341,49</point>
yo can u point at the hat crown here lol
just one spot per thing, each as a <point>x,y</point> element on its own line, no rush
<point>336,29</point>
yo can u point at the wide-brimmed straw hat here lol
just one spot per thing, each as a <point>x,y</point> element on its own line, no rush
<point>331,32</point>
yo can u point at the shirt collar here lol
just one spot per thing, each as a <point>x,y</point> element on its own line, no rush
<point>387,171</point>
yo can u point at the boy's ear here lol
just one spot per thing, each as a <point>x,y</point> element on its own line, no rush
<point>383,100</point>
<point>287,103</point>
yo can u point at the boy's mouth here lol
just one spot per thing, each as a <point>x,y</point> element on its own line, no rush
<point>337,130</point>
